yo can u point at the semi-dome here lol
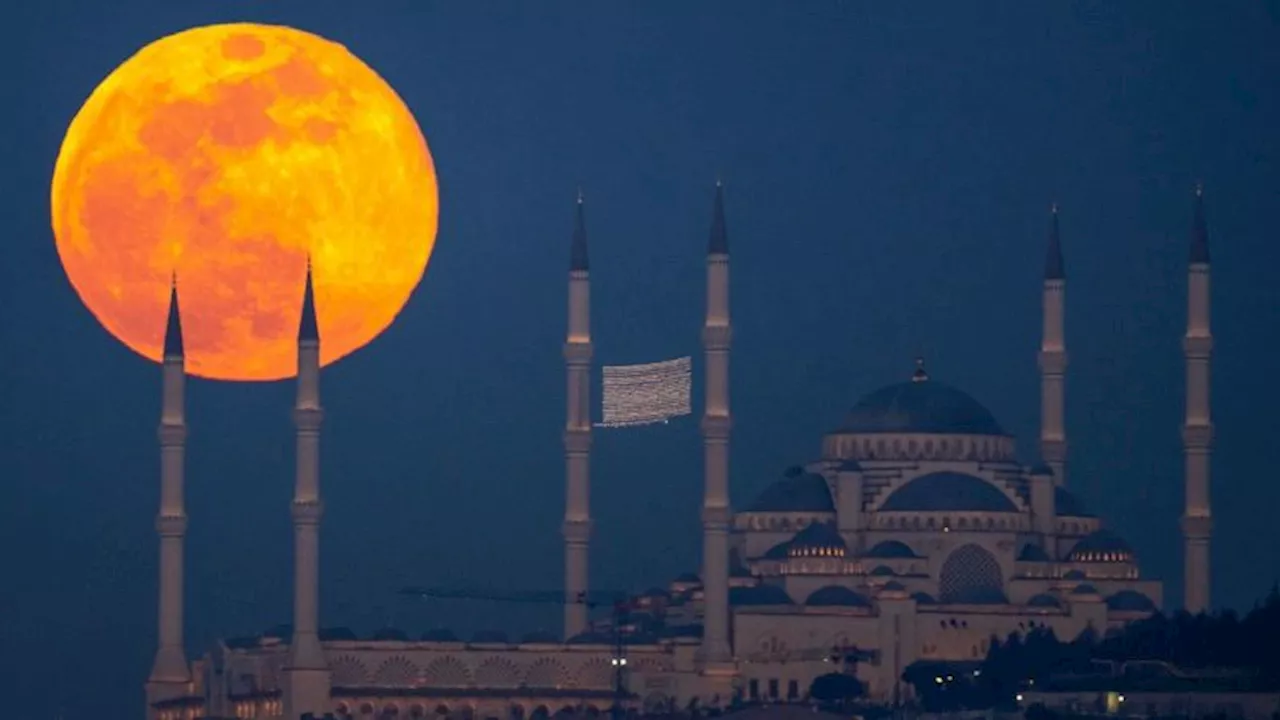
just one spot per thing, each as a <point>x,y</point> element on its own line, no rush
<point>1065,504</point>
<point>759,595</point>
<point>798,491</point>
<point>1033,553</point>
<point>1130,601</point>
<point>836,595</point>
<point>948,492</point>
<point>888,549</point>
<point>1101,546</point>
<point>920,406</point>
<point>820,539</point>
<point>1044,600</point>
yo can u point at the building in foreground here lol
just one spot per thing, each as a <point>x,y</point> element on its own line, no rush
<point>916,534</point>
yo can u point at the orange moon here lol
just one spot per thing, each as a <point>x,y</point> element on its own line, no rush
<point>228,154</point>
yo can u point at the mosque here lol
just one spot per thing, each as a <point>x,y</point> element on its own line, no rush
<point>916,535</point>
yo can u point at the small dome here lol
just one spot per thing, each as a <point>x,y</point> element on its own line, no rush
<point>817,540</point>
<point>1033,553</point>
<point>1044,600</point>
<point>759,595</point>
<point>1130,601</point>
<point>1074,575</point>
<point>923,598</point>
<point>489,636</point>
<point>1067,505</point>
<point>778,552</point>
<point>978,596</point>
<point>833,595</point>
<point>590,638</point>
<point>882,571</point>
<point>656,593</point>
<point>539,637</point>
<point>1101,546</point>
<point>439,635</point>
<point>920,406</point>
<point>390,633</point>
<point>798,491</point>
<point>948,491</point>
<point>894,586</point>
<point>1084,589</point>
<point>887,549</point>
<point>687,579</point>
<point>1041,468</point>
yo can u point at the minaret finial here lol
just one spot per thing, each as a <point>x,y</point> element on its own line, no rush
<point>1199,231</point>
<point>1054,268</point>
<point>718,244</point>
<point>920,375</point>
<point>308,325</point>
<point>173,346</point>
<point>578,259</point>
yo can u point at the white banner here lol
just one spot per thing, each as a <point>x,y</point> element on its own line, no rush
<point>645,394</point>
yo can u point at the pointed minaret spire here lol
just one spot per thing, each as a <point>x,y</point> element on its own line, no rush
<point>577,434</point>
<point>718,244</point>
<point>1053,357</point>
<point>308,326</point>
<point>173,347</point>
<point>169,672</point>
<point>1053,266</point>
<point>1197,428</point>
<point>578,250</point>
<point>717,517</point>
<point>1199,231</point>
<point>306,678</point>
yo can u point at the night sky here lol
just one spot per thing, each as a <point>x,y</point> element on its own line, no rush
<point>888,174</point>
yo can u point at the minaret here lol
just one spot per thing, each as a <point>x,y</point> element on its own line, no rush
<point>1197,430</point>
<point>716,335</point>
<point>307,670</point>
<point>577,432</point>
<point>1053,358</point>
<point>169,673</point>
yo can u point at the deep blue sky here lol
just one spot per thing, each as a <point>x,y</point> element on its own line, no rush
<point>888,168</point>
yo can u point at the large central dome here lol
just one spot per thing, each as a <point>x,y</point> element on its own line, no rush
<point>921,405</point>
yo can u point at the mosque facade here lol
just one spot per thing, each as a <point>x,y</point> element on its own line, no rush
<point>917,534</point>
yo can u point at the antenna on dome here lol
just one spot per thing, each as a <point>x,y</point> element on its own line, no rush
<point>920,375</point>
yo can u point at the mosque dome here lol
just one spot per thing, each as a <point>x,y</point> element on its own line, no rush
<point>924,598</point>
<point>798,491</point>
<point>1033,553</point>
<point>1074,575</point>
<point>1066,504</point>
<point>890,549</point>
<point>920,405</point>
<point>1044,600</point>
<point>836,595</point>
<point>820,539</point>
<point>759,595</point>
<point>948,491</point>
<point>1101,546</point>
<point>1130,600</point>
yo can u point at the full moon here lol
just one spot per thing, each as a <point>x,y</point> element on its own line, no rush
<point>228,155</point>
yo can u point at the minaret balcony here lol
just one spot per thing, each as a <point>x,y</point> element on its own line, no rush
<point>576,531</point>
<point>577,441</point>
<point>578,352</point>
<point>1197,527</point>
<point>1197,436</point>
<point>716,427</point>
<point>172,434</point>
<point>307,512</point>
<point>1197,347</point>
<point>717,337</point>
<point>171,525</point>
<point>1053,362</point>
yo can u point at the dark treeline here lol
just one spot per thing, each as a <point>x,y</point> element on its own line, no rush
<point>1220,642</point>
